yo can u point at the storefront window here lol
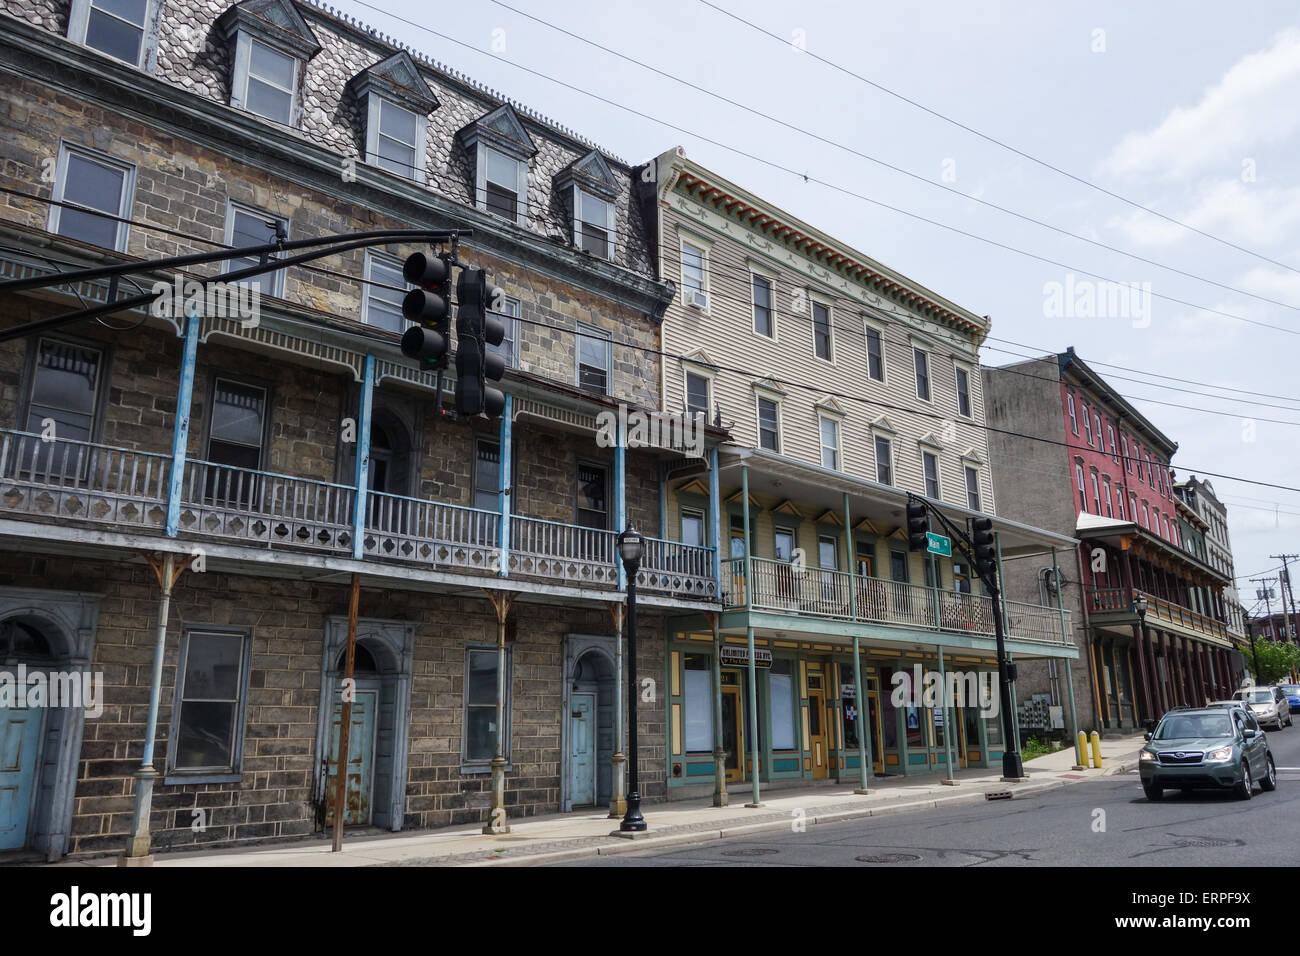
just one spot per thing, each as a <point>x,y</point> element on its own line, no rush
<point>699,704</point>
<point>971,716</point>
<point>781,683</point>
<point>887,706</point>
<point>993,727</point>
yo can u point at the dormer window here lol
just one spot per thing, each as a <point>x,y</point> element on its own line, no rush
<point>126,30</point>
<point>272,44</point>
<point>500,148</point>
<point>397,102</point>
<point>588,188</point>
<point>595,217</point>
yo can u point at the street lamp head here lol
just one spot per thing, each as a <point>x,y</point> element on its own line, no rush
<point>629,546</point>
<point>1140,605</point>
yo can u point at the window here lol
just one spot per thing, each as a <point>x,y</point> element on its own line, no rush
<point>382,307</point>
<point>208,721</point>
<point>1087,426</point>
<point>1078,477</point>
<point>487,475</point>
<point>830,439</point>
<point>769,425</point>
<point>479,744</point>
<point>875,355</point>
<point>250,227</point>
<point>1142,466</point>
<point>884,461</point>
<point>1133,502</point>
<point>694,292</point>
<point>269,83</point>
<point>501,186</point>
<point>1074,421</point>
<point>95,187</point>
<point>697,395</point>
<point>1106,487</point>
<point>693,527</point>
<point>1110,433</point>
<point>1164,524</point>
<point>65,387</point>
<point>237,425</point>
<point>828,552</point>
<point>1128,461</point>
<point>1096,495</point>
<point>930,465</point>
<point>698,692</point>
<point>115,27</point>
<point>963,392</point>
<point>593,358</point>
<point>509,347</point>
<point>780,684</point>
<point>922,362</point>
<point>397,143</point>
<point>1119,502</point>
<point>595,225</point>
<point>1097,419</point>
<point>783,544</point>
<point>822,331</point>
<point>1146,515</point>
<point>972,489</point>
<point>593,509</point>
<point>764,324</point>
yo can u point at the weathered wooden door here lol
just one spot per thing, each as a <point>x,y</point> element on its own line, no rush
<point>582,750</point>
<point>817,735</point>
<point>361,759</point>
<point>733,732</point>
<point>20,737</point>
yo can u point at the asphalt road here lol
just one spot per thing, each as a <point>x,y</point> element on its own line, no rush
<point>1104,822</point>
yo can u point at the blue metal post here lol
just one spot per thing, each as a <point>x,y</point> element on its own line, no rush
<point>620,495</point>
<point>507,434</point>
<point>715,516</point>
<point>181,431</point>
<point>363,458</point>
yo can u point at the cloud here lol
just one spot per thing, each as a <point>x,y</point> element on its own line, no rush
<point>1235,210</point>
<point>1253,104</point>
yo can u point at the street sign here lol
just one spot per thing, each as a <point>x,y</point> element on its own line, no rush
<point>938,544</point>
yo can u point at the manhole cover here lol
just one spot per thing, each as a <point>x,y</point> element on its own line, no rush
<point>1204,841</point>
<point>751,851</point>
<point>888,858</point>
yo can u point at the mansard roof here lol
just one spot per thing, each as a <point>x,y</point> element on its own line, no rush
<point>397,78</point>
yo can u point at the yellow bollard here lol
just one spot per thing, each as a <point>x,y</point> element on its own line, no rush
<point>1096,750</point>
<point>1080,751</point>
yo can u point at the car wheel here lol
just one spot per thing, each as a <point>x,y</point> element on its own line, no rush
<point>1269,783</point>
<point>1245,789</point>
<point>1153,791</point>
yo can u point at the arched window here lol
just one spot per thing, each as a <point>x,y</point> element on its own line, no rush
<point>23,640</point>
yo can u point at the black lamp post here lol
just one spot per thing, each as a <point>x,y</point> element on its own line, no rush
<point>1139,608</point>
<point>629,549</point>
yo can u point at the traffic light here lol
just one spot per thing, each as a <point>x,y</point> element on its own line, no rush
<point>918,526</point>
<point>985,553</point>
<point>475,330</point>
<point>430,306</point>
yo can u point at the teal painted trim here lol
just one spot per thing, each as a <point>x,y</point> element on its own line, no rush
<point>503,478</point>
<point>620,494</point>
<point>181,428</point>
<point>699,769</point>
<point>851,761</point>
<point>917,759</point>
<point>715,516</point>
<point>363,459</point>
<point>785,765</point>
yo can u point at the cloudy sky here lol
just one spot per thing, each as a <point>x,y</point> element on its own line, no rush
<point>1176,107</point>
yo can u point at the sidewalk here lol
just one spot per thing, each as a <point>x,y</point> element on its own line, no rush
<point>560,836</point>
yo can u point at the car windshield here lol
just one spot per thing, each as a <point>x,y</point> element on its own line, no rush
<point>1291,690</point>
<point>1194,725</point>
<point>1260,697</point>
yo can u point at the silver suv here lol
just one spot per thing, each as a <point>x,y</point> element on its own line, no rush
<point>1268,704</point>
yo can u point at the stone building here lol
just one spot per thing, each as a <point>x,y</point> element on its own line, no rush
<point>1198,494</point>
<point>227,447</point>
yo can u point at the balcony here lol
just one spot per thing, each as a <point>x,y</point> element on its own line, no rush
<point>836,595</point>
<point>1118,602</point>
<point>73,481</point>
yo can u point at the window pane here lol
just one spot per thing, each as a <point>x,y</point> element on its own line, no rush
<point>591,489</point>
<point>692,528</point>
<point>271,66</point>
<point>206,735</point>
<point>110,35</point>
<point>931,474</point>
<point>396,157</point>
<point>699,710</point>
<point>830,444</point>
<point>487,476</point>
<point>383,305</point>
<point>692,267</point>
<point>593,361</point>
<point>503,171</point>
<point>66,378</point>
<point>782,688</point>
<point>502,202</point>
<point>822,331</point>
<point>767,424</point>
<point>875,357</point>
<point>212,665</point>
<point>762,306</point>
<point>594,210</point>
<point>95,186</point>
<point>697,394</point>
<point>266,100</point>
<point>594,240</point>
<point>963,392</point>
<point>784,542</point>
<point>397,123</point>
<point>506,349</point>
<point>972,489</point>
<point>482,678</point>
<point>237,413</point>
<point>132,10</point>
<point>884,466</point>
<point>922,374</point>
<point>827,553</point>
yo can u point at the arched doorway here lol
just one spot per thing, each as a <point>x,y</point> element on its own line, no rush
<point>24,650</point>
<point>589,708</point>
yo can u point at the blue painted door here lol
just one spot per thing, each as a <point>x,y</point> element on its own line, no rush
<point>20,737</point>
<point>361,759</point>
<point>582,750</point>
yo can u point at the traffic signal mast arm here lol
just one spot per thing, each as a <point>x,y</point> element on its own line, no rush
<point>961,539</point>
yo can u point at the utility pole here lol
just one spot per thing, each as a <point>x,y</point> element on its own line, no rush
<point>1286,579</point>
<point>1268,609</point>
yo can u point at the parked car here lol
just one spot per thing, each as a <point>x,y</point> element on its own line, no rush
<point>1292,694</point>
<point>1268,704</point>
<point>1207,748</point>
<point>1229,704</point>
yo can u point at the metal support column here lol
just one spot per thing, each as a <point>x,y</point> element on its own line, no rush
<point>749,636</point>
<point>364,412</point>
<point>715,517</point>
<point>504,472</point>
<point>181,429</point>
<point>620,496</point>
<point>719,755</point>
<point>618,787</point>
<point>948,728</point>
<point>862,721</point>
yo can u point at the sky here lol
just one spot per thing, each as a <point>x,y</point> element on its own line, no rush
<point>1179,108</point>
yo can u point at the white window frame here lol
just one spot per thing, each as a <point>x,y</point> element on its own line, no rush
<point>929,374</point>
<point>79,28</point>
<point>597,331</point>
<point>521,182</point>
<point>1078,479</point>
<point>482,765</point>
<point>972,472</point>
<point>277,284</point>
<point>813,303</point>
<point>959,369</point>
<point>938,478</point>
<point>758,420</point>
<point>876,439</point>
<point>1128,461</point>
<point>374,105</point>
<point>239,83</point>
<point>611,217</point>
<point>1110,434</point>
<point>1105,484</point>
<point>125,201</point>
<point>821,445</point>
<point>771,303</point>
<point>868,328</point>
<point>1119,500</point>
<point>392,262</point>
<point>1087,424</point>
<point>1096,492</point>
<point>688,293</point>
<point>1096,417</point>
<point>687,373</point>
<point>511,314</point>
<point>1074,419</point>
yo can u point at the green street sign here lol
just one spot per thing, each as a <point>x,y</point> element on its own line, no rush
<point>938,544</point>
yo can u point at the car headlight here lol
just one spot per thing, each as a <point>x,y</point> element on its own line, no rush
<point>1223,753</point>
<point>1146,755</point>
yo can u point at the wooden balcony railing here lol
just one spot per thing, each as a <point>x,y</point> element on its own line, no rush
<point>1120,601</point>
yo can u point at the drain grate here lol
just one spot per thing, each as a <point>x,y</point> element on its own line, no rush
<point>1205,842</point>
<point>998,795</point>
<point>751,851</point>
<point>888,858</point>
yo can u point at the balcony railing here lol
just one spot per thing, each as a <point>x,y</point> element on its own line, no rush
<point>1120,601</point>
<point>65,480</point>
<point>825,593</point>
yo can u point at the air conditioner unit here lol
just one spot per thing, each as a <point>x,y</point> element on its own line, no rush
<point>697,299</point>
